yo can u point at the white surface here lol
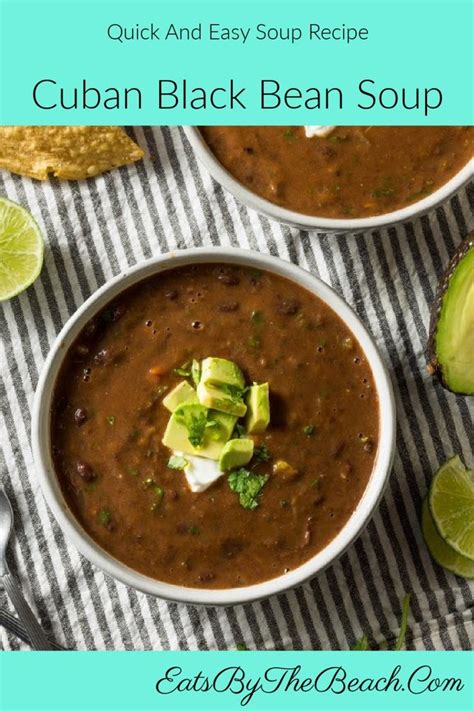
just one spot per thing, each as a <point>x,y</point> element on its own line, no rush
<point>312,131</point>
<point>200,472</point>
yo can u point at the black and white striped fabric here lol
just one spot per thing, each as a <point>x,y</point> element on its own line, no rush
<point>96,228</point>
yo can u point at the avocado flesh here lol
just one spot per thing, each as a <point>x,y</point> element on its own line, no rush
<point>258,403</point>
<point>236,453</point>
<point>454,340</point>
<point>182,393</point>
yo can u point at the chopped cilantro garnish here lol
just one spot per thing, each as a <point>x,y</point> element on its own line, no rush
<point>176,462</point>
<point>257,318</point>
<point>248,485</point>
<point>403,622</point>
<point>234,392</point>
<point>196,422</point>
<point>241,647</point>
<point>309,430</point>
<point>111,419</point>
<point>290,135</point>
<point>239,431</point>
<point>254,342</point>
<point>133,471</point>
<point>105,517</point>
<point>184,370</point>
<point>158,492</point>
<point>193,530</point>
<point>383,192</point>
<point>362,644</point>
<point>261,454</point>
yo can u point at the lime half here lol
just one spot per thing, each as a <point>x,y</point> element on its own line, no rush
<point>451,503</point>
<point>21,249</point>
<point>442,553</point>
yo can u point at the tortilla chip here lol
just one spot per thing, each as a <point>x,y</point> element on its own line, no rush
<point>68,152</point>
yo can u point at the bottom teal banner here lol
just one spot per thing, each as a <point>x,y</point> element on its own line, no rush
<point>89,681</point>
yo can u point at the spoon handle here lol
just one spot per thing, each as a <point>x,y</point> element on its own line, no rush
<point>35,633</point>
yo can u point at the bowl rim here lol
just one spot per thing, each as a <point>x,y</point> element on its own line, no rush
<point>40,430</point>
<point>314,222</point>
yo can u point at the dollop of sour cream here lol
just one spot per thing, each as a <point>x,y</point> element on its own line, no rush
<point>311,131</point>
<point>200,472</point>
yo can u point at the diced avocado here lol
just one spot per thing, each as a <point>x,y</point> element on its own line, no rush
<point>258,401</point>
<point>182,393</point>
<point>194,429</point>
<point>236,453</point>
<point>451,346</point>
<point>220,400</point>
<point>219,371</point>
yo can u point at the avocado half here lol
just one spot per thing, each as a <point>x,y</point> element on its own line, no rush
<point>451,342</point>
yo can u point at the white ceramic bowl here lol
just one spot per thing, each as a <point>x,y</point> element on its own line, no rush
<point>313,222</point>
<point>42,445</point>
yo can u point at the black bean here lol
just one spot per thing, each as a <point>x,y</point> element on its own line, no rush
<point>80,416</point>
<point>118,312</point>
<point>85,471</point>
<point>171,295</point>
<point>90,329</point>
<point>288,307</point>
<point>228,276</point>
<point>229,307</point>
<point>231,547</point>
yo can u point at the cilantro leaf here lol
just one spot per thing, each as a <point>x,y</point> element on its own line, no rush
<point>362,644</point>
<point>196,421</point>
<point>184,370</point>
<point>176,462</point>
<point>239,431</point>
<point>248,485</point>
<point>261,454</point>
<point>234,392</point>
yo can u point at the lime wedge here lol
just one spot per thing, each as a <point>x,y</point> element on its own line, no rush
<point>21,249</point>
<point>451,502</point>
<point>441,551</point>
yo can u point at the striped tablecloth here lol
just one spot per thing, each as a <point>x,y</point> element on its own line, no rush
<point>96,228</point>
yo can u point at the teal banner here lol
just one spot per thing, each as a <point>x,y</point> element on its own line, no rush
<point>253,61</point>
<point>349,681</point>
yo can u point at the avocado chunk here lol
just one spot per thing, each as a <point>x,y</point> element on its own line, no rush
<point>218,372</point>
<point>236,453</point>
<point>258,402</point>
<point>194,429</point>
<point>451,346</point>
<point>182,393</point>
<point>222,400</point>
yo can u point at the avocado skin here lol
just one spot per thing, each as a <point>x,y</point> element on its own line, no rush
<point>433,365</point>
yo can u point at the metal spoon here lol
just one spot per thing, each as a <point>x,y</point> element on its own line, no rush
<point>34,631</point>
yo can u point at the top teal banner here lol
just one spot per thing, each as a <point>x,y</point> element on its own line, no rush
<point>172,62</point>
